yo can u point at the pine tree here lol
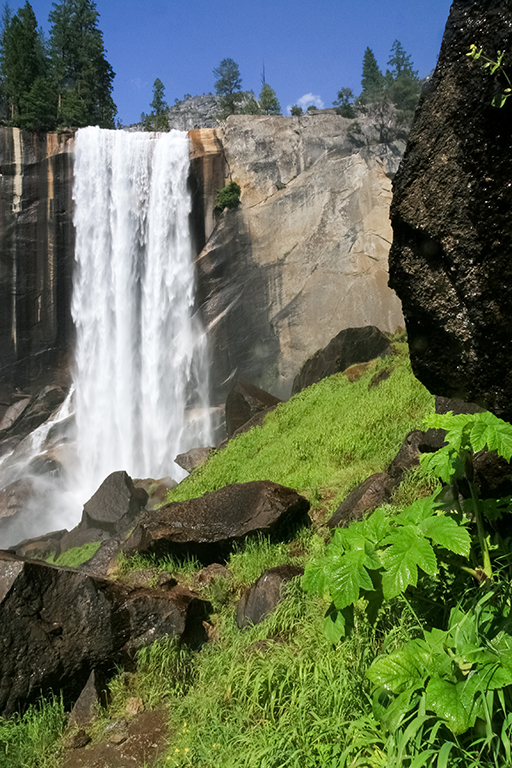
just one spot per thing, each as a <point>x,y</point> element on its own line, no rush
<point>268,101</point>
<point>402,83</point>
<point>83,75</point>
<point>372,81</point>
<point>22,58</point>
<point>157,120</point>
<point>228,86</point>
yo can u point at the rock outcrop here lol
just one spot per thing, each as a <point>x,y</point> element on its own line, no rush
<point>451,215</point>
<point>306,252</point>
<point>350,346</point>
<point>57,625</point>
<point>208,527</point>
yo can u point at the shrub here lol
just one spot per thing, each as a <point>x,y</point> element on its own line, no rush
<point>228,196</point>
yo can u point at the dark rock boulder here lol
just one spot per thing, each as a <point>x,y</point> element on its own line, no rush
<point>450,260</point>
<point>193,459</point>
<point>57,625</point>
<point>243,402</point>
<point>117,502</point>
<point>256,421</point>
<point>261,598</point>
<point>455,406</point>
<point>33,413</point>
<point>350,346</point>
<point>40,547</point>
<point>366,497</point>
<point>415,443</point>
<point>93,695</point>
<point>208,527</point>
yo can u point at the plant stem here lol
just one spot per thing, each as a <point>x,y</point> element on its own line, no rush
<point>487,568</point>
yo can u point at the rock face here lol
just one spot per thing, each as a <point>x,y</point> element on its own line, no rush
<point>57,625</point>
<point>451,215</point>
<point>36,256</point>
<point>306,252</point>
<point>208,527</point>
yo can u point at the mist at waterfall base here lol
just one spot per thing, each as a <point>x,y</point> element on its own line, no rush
<point>141,366</point>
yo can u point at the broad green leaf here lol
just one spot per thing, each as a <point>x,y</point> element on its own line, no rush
<point>440,463</point>
<point>418,511</point>
<point>377,525</point>
<point>445,532</point>
<point>349,577</point>
<point>443,698</point>
<point>337,624</point>
<point>408,551</point>
<point>315,577</point>
<point>500,440</point>
<point>401,670</point>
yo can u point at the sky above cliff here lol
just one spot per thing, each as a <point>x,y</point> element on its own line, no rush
<point>309,50</point>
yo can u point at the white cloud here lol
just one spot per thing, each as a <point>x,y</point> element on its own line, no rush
<point>309,99</point>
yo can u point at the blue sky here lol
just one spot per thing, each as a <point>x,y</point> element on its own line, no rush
<point>308,48</point>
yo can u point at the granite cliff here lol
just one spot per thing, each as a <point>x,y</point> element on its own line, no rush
<point>304,256</point>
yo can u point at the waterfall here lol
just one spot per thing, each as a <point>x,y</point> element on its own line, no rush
<point>141,365</point>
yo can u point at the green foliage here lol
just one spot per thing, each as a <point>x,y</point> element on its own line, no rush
<point>30,739</point>
<point>344,103</point>
<point>378,559</point>
<point>23,61</point>
<point>495,67</point>
<point>268,101</point>
<point>157,120</point>
<point>83,76</point>
<point>372,81</point>
<point>228,196</point>
<point>75,556</point>
<point>296,111</point>
<point>228,86</point>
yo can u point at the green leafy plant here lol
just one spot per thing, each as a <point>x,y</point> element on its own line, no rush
<point>228,196</point>
<point>379,557</point>
<point>495,66</point>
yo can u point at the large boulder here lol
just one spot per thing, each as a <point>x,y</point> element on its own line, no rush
<point>57,625</point>
<point>451,215</point>
<point>116,503</point>
<point>245,401</point>
<point>365,497</point>
<point>208,527</point>
<point>350,346</point>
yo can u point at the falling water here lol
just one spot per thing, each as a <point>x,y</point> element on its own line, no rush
<point>141,368</point>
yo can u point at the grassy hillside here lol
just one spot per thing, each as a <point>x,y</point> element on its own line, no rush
<point>279,695</point>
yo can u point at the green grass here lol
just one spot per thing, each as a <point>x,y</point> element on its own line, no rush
<point>31,740</point>
<point>75,556</point>
<point>326,439</point>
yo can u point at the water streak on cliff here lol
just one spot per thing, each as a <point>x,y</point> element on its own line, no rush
<point>141,368</point>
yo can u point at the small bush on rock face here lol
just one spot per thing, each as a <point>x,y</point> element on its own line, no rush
<point>228,196</point>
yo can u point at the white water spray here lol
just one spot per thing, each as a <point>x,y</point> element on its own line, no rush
<point>141,367</point>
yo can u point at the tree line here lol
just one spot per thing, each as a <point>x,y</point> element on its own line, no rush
<point>61,81</point>
<point>400,85</point>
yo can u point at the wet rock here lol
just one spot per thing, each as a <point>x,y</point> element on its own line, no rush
<point>350,346</point>
<point>415,443</point>
<point>93,694</point>
<point>370,494</point>
<point>58,624</point>
<point>115,504</point>
<point>208,527</point>
<point>207,576</point>
<point>450,259</point>
<point>243,402</point>
<point>15,497</point>
<point>14,413</point>
<point>261,598</point>
<point>446,404</point>
<point>194,458</point>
